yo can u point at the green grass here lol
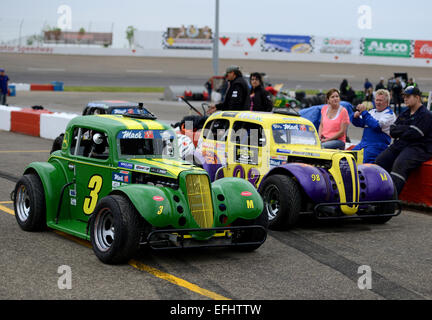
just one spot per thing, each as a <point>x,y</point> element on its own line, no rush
<point>111,89</point>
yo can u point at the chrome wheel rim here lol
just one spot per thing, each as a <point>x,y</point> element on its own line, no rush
<point>23,203</point>
<point>104,230</point>
<point>272,201</point>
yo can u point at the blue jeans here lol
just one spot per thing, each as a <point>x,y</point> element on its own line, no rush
<point>333,144</point>
<point>2,99</point>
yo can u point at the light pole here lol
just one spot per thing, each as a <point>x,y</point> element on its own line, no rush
<point>216,41</point>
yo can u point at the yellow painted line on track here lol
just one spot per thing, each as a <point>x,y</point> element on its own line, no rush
<point>176,281</point>
<point>6,209</point>
<point>141,266</point>
<point>5,202</point>
<point>23,151</point>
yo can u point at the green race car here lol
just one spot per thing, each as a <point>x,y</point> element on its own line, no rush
<point>118,182</point>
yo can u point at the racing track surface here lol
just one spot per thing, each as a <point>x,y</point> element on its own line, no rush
<point>145,71</point>
<point>316,260</point>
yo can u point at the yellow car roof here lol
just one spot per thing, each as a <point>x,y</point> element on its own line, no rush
<point>266,119</point>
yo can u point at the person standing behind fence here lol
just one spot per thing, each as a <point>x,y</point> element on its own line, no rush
<point>376,123</point>
<point>334,122</point>
<point>3,86</point>
<point>260,98</point>
<point>397,95</point>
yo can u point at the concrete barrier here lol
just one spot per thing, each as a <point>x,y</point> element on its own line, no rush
<point>52,124</point>
<point>5,117</point>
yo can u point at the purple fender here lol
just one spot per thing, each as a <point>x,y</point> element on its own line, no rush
<point>314,181</point>
<point>211,168</point>
<point>375,183</point>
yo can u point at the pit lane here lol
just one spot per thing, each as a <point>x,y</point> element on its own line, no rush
<point>316,260</point>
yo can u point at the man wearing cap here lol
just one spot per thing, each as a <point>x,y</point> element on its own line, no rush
<point>238,94</point>
<point>3,86</point>
<point>412,134</point>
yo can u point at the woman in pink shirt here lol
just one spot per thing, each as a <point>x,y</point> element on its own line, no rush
<point>334,122</point>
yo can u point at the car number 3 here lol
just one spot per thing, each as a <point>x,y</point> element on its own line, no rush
<point>95,185</point>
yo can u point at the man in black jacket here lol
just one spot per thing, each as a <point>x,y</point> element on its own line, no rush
<point>237,96</point>
<point>412,134</point>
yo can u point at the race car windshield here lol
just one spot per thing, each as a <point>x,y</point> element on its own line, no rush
<point>287,133</point>
<point>146,143</point>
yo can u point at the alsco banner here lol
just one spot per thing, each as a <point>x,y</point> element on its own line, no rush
<point>423,49</point>
<point>387,47</point>
<point>287,43</point>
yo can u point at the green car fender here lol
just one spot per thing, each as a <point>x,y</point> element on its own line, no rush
<point>156,205</point>
<point>239,198</point>
<point>52,181</point>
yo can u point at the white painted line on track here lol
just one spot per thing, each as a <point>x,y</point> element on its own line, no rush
<point>46,69</point>
<point>143,71</point>
<point>341,76</point>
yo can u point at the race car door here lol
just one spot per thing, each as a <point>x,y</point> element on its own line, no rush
<point>246,152</point>
<point>214,144</point>
<point>92,172</point>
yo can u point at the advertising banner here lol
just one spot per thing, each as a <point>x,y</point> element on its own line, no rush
<point>189,37</point>
<point>239,42</point>
<point>423,49</point>
<point>287,43</point>
<point>387,48</point>
<point>66,37</point>
<point>333,45</point>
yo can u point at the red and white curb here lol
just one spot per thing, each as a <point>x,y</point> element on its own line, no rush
<point>38,123</point>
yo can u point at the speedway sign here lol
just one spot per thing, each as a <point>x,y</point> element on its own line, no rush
<point>387,47</point>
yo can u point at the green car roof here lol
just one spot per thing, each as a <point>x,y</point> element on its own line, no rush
<point>114,123</point>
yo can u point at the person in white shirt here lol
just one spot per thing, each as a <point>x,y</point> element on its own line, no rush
<point>376,135</point>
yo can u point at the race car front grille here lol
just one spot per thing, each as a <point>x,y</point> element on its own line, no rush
<point>347,177</point>
<point>199,196</point>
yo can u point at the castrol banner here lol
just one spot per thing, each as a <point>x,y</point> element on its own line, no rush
<point>423,49</point>
<point>337,45</point>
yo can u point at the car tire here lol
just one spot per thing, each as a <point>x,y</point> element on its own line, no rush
<point>251,234</point>
<point>282,201</point>
<point>29,203</point>
<point>57,144</point>
<point>115,229</point>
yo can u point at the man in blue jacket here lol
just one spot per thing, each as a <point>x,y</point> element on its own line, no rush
<point>376,135</point>
<point>3,86</point>
<point>412,133</point>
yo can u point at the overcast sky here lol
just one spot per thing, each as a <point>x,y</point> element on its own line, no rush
<point>345,18</point>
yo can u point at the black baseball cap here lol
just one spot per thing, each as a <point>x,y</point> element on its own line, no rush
<point>232,68</point>
<point>411,90</point>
